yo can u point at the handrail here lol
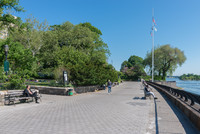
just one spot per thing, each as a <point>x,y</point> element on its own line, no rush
<point>185,96</point>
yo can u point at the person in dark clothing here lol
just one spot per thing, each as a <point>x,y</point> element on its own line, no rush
<point>109,86</point>
<point>147,89</point>
<point>29,93</point>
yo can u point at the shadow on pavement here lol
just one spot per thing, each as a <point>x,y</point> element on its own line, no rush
<point>139,98</point>
<point>156,117</point>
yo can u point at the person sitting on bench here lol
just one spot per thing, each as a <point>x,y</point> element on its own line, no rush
<point>148,92</point>
<point>29,93</point>
<point>147,89</point>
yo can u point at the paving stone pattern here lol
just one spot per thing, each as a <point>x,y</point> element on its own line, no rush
<point>124,111</point>
<point>121,112</point>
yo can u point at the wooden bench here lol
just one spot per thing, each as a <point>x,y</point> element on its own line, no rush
<point>13,96</point>
<point>146,94</point>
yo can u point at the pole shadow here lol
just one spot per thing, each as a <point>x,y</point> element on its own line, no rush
<point>156,118</point>
<point>156,113</point>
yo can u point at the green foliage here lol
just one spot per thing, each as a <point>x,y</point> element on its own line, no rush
<point>21,59</point>
<point>119,76</point>
<point>10,4</point>
<point>166,60</point>
<point>80,50</point>
<point>146,78</point>
<point>5,17</point>
<point>16,81</point>
<point>3,77</point>
<point>190,77</point>
<point>45,74</point>
<point>92,28</point>
<point>21,63</point>
<point>48,51</point>
<point>17,55</point>
<point>133,69</point>
<point>84,68</point>
<point>135,60</point>
<point>30,34</point>
<point>58,74</point>
<point>39,51</point>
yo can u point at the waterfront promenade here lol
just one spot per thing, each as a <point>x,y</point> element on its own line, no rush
<point>122,112</point>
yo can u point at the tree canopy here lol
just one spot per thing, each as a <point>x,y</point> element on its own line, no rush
<point>78,49</point>
<point>6,6</point>
<point>36,48</point>
<point>133,69</point>
<point>166,60</point>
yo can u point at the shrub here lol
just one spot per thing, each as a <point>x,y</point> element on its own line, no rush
<point>15,81</point>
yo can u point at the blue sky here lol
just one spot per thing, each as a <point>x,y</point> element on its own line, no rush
<point>126,24</point>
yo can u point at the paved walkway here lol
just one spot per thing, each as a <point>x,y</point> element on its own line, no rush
<point>122,112</point>
<point>168,119</point>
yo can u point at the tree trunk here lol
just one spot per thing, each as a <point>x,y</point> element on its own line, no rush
<point>164,74</point>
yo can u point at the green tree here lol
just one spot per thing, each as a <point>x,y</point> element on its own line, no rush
<point>190,77</point>
<point>30,34</point>
<point>36,47</point>
<point>125,64</point>
<point>135,60</point>
<point>7,6</point>
<point>166,60</point>
<point>48,51</point>
<point>22,64</point>
<point>80,50</point>
<point>133,69</point>
<point>92,28</point>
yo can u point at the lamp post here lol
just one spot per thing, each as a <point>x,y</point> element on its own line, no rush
<point>6,63</point>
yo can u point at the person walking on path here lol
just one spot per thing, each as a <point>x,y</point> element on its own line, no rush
<point>109,86</point>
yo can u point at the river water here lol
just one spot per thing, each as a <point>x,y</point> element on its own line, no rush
<point>189,85</point>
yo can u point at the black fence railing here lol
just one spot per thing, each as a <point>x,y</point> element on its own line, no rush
<point>192,99</point>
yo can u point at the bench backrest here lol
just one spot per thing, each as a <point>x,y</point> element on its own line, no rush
<point>14,93</point>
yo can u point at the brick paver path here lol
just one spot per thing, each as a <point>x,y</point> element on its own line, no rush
<point>122,112</point>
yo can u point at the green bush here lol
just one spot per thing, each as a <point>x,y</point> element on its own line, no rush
<point>53,83</point>
<point>16,82</point>
<point>58,74</point>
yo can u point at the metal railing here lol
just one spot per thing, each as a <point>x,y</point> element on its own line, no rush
<point>192,99</point>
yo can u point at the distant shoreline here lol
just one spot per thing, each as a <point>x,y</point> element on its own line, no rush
<point>192,86</point>
<point>192,77</point>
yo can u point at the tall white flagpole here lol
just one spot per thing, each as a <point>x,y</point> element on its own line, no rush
<point>152,45</point>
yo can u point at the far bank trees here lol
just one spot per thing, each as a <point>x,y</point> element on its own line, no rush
<point>166,60</point>
<point>190,77</point>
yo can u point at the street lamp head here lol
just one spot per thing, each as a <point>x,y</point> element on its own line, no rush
<point>6,48</point>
